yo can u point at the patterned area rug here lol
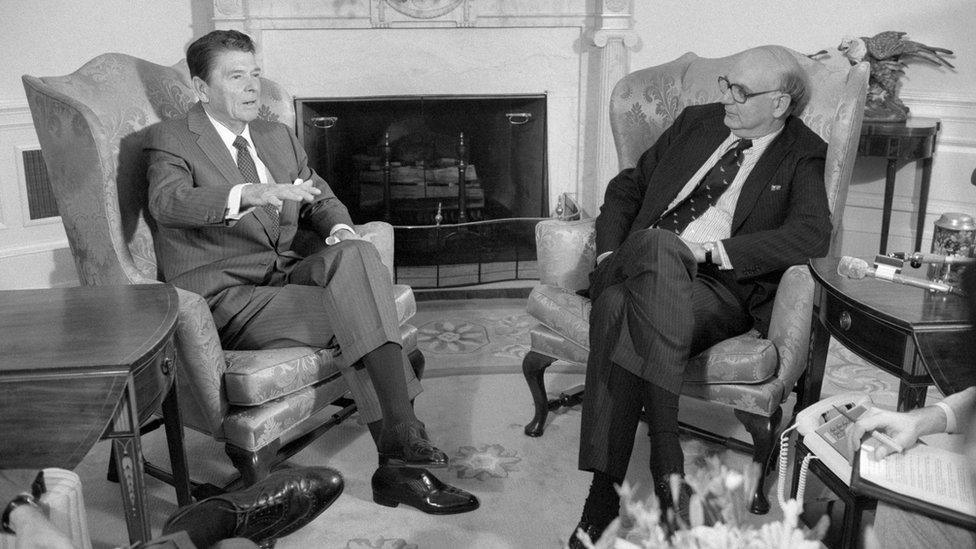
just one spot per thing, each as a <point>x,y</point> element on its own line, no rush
<point>475,406</point>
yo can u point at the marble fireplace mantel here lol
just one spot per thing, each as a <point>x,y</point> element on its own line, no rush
<point>573,51</point>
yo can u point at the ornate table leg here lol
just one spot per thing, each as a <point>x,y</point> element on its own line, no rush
<point>174,439</point>
<point>127,449</point>
<point>911,397</point>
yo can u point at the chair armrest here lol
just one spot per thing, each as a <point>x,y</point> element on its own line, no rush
<point>379,233</point>
<point>566,252</point>
<point>789,327</point>
<point>203,403</point>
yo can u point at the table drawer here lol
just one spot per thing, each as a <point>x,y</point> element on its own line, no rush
<point>153,379</point>
<point>867,335</point>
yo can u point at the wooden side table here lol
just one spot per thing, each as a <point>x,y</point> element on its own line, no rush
<point>901,329</point>
<point>81,364</point>
<point>912,140</point>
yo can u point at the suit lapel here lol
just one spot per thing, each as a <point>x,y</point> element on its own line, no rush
<point>271,155</point>
<point>691,155</point>
<point>211,145</point>
<point>760,176</point>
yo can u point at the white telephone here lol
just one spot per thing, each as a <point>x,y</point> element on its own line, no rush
<point>808,421</point>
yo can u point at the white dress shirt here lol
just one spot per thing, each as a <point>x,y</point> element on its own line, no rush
<point>233,208</point>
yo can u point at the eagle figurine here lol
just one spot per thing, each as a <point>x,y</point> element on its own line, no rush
<point>886,53</point>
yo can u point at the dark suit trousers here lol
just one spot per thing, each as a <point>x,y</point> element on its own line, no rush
<point>652,311</point>
<point>340,297</point>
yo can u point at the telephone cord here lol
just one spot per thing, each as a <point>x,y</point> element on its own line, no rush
<point>784,460</point>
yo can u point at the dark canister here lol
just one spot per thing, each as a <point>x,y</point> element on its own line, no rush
<point>953,236</point>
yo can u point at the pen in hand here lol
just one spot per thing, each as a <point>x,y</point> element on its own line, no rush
<point>878,435</point>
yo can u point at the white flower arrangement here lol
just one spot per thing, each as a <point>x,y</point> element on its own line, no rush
<point>718,503</point>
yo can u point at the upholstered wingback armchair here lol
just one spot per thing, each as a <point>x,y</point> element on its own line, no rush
<point>263,404</point>
<point>748,374</point>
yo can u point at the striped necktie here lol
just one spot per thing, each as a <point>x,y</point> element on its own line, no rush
<point>707,192</point>
<point>250,173</point>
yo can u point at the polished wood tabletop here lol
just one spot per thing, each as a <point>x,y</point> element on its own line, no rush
<point>898,304</point>
<point>920,336</point>
<point>66,355</point>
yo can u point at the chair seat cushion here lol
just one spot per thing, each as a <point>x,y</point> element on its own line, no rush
<point>256,377</point>
<point>562,311</point>
<point>746,358</point>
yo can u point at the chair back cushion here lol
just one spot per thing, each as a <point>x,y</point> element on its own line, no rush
<point>645,103</point>
<point>90,124</point>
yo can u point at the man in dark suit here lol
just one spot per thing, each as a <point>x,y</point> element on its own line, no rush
<point>228,192</point>
<point>691,244</point>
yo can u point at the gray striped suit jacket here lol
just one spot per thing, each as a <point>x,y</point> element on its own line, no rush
<point>190,175</point>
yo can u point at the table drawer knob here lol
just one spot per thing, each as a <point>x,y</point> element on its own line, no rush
<point>845,320</point>
<point>166,365</point>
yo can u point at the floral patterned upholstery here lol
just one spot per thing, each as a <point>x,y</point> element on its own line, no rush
<point>747,372</point>
<point>90,125</point>
<point>255,377</point>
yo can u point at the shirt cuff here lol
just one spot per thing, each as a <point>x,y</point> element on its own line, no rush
<point>950,416</point>
<point>721,258</point>
<point>333,239</point>
<point>233,208</point>
<point>601,257</point>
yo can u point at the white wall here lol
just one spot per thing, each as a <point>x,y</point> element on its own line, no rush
<point>49,37</point>
<point>715,28</point>
<point>53,37</point>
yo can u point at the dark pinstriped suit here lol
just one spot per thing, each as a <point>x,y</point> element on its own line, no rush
<point>263,294</point>
<point>654,307</point>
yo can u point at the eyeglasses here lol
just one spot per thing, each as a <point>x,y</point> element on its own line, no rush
<point>739,95</point>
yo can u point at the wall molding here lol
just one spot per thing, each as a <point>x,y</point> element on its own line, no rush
<point>15,113</point>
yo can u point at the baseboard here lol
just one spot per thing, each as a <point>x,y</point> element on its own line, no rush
<point>475,292</point>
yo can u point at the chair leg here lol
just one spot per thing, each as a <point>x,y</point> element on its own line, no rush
<point>253,466</point>
<point>763,430</point>
<point>534,367</point>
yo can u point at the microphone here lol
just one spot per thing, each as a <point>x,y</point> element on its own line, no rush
<point>856,268</point>
<point>917,258</point>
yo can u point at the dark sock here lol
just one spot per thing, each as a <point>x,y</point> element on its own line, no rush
<point>384,365</point>
<point>602,503</point>
<point>661,409</point>
<point>375,430</point>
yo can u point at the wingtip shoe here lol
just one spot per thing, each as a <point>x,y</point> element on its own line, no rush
<point>272,508</point>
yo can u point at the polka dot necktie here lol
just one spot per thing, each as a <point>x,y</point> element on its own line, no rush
<point>708,191</point>
<point>250,173</point>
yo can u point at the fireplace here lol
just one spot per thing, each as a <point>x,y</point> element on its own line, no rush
<point>461,178</point>
<point>569,52</point>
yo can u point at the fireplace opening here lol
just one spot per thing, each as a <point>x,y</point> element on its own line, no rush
<point>461,178</point>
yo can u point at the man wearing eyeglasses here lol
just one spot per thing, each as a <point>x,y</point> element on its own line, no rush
<point>691,244</point>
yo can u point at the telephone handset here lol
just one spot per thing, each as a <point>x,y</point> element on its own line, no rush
<point>823,426</point>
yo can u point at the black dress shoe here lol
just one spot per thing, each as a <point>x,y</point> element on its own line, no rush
<point>407,445</point>
<point>278,505</point>
<point>419,488</point>
<point>591,530</point>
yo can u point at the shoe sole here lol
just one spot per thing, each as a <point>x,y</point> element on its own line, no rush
<point>390,502</point>
<point>393,462</point>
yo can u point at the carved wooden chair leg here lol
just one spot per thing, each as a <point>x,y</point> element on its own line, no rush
<point>534,368</point>
<point>253,466</point>
<point>763,430</point>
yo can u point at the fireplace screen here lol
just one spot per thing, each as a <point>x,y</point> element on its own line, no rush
<point>462,179</point>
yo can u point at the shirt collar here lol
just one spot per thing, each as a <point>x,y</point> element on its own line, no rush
<point>758,143</point>
<point>228,136</point>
